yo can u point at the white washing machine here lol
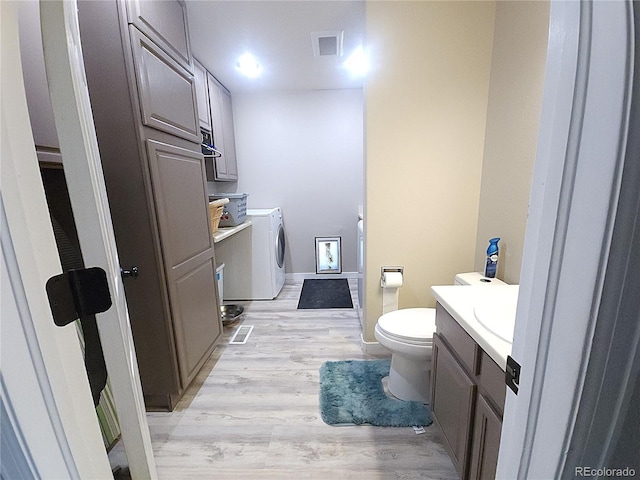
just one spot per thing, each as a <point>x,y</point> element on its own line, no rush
<point>268,249</point>
<point>260,274</point>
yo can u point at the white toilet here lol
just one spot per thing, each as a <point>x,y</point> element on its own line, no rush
<point>408,333</point>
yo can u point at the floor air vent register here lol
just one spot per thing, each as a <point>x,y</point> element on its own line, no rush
<point>242,335</point>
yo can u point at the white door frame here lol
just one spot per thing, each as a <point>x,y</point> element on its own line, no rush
<point>575,189</point>
<point>49,425</point>
<point>87,192</point>
<point>574,192</point>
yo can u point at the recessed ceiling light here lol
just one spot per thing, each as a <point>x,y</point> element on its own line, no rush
<point>357,63</point>
<point>249,66</point>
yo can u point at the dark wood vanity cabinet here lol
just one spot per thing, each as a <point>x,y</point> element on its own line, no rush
<point>468,393</point>
<point>452,402</point>
<point>486,440</point>
<point>142,88</point>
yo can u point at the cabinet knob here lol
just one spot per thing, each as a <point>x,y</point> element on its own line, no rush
<point>130,273</point>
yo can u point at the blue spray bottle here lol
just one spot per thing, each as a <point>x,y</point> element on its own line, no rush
<point>492,259</point>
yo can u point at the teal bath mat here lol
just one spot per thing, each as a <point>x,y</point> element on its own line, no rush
<point>351,392</point>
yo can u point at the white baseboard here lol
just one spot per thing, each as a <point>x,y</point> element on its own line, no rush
<point>298,277</point>
<point>372,348</point>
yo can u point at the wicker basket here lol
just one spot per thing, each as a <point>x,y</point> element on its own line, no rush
<point>216,208</point>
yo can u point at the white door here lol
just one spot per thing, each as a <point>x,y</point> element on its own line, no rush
<point>575,191</point>
<point>48,419</point>
<point>53,372</point>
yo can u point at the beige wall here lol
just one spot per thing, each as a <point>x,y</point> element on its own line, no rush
<point>425,112</point>
<point>515,100</point>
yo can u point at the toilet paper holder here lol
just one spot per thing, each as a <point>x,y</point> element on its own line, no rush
<point>387,269</point>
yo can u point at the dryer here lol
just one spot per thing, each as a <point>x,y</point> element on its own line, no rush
<point>263,276</point>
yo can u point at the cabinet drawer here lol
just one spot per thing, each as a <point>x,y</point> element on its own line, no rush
<point>464,346</point>
<point>165,23</point>
<point>167,91</point>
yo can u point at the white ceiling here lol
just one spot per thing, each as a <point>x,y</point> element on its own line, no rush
<point>278,34</point>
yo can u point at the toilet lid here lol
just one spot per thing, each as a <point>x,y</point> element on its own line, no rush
<point>410,323</point>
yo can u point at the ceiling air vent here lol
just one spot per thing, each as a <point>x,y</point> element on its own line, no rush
<point>327,44</point>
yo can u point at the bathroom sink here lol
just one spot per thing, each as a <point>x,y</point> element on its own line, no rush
<point>498,315</point>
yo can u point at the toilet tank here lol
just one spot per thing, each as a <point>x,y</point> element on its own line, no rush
<point>475,278</point>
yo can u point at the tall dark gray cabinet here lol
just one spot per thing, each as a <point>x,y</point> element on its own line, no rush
<point>141,83</point>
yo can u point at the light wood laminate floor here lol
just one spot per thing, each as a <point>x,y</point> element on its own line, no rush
<point>253,410</point>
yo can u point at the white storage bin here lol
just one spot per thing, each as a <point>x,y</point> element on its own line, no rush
<point>235,212</point>
<point>220,279</point>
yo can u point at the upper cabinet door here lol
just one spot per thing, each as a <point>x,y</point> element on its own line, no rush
<point>215,101</point>
<point>164,22</point>
<point>226,169</point>
<point>167,91</point>
<point>228,131</point>
<point>202,95</point>
<point>215,97</point>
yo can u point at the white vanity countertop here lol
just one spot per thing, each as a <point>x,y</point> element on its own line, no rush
<point>487,314</point>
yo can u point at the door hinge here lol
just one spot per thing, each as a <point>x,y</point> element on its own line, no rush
<point>512,374</point>
<point>78,293</point>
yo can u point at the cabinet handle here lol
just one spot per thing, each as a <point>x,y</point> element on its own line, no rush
<point>133,273</point>
<point>215,153</point>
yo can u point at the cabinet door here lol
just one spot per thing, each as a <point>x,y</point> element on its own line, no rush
<point>187,246</point>
<point>228,132</point>
<point>486,442</point>
<point>453,398</point>
<point>202,96</point>
<point>165,23</point>
<point>217,121</point>
<point>167,91</point>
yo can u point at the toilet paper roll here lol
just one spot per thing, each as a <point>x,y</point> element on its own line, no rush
<point>391,282</point>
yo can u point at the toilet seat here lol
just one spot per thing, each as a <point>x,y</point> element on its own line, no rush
<point>414,326</point>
